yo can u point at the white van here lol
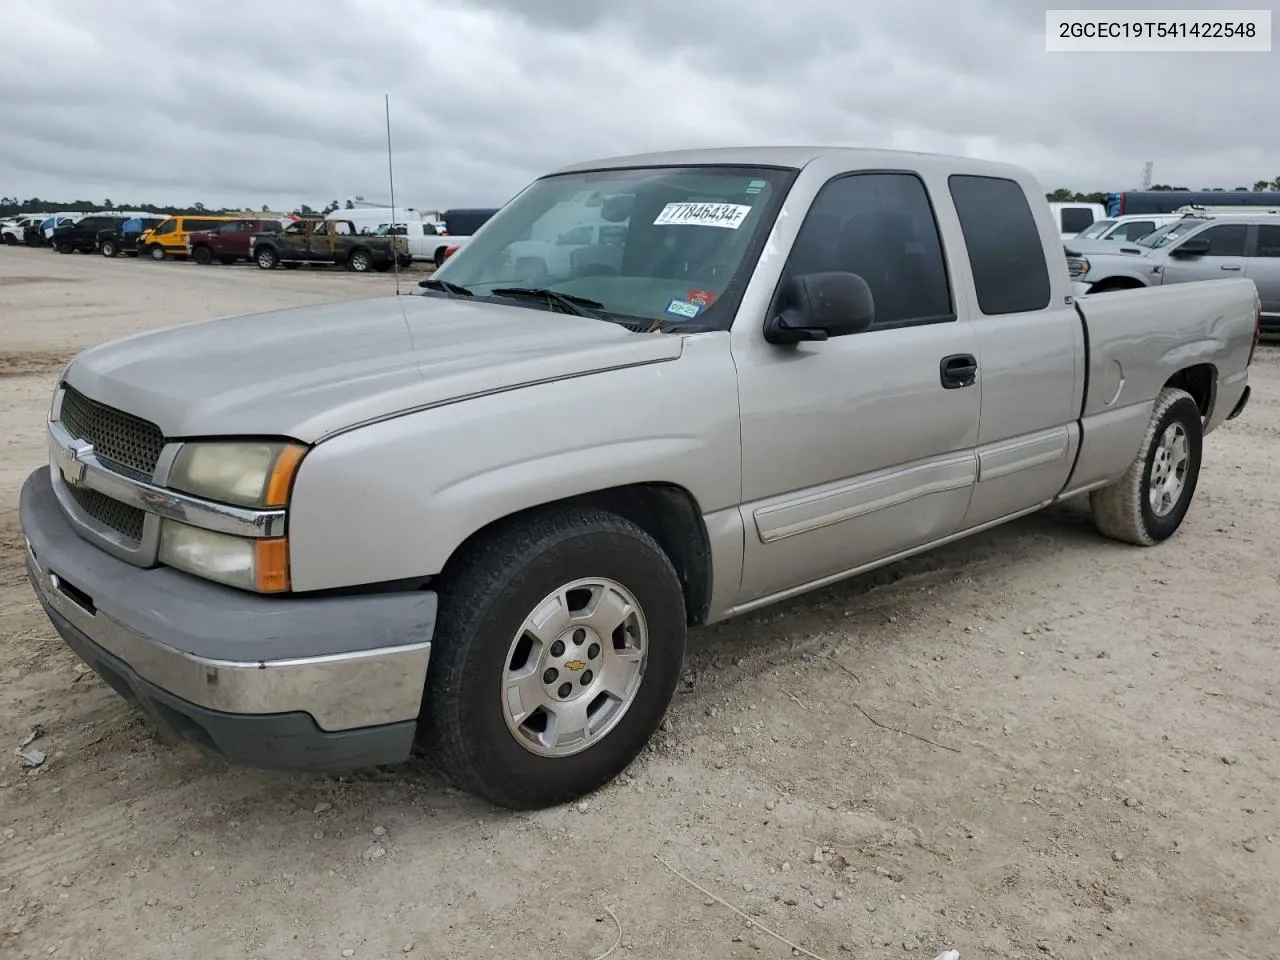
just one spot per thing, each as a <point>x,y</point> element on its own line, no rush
<point>1074,217</point>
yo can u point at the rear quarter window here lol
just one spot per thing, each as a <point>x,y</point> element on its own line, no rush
<point>1006,255</point>
<point>1075,219</point>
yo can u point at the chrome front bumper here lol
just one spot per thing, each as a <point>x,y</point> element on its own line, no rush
<point>347,662</point>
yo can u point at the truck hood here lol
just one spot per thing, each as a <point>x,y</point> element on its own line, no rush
<point>1091,248</point>
<point>309,372</point>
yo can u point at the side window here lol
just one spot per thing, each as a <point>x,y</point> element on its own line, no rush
<point>1268,242</point>
<point>881,227</point>
<point>1010,272</point>
<point>1134,229</point>
<point>1225,240</point>
<point>1075,219</point>
<point>429,230</point>
<point>169,226</point>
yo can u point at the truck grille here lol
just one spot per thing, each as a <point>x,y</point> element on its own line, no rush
<point>120,517</point>
<point>118,438</point>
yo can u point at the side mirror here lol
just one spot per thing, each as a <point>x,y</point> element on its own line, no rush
<point>817,306</point>
<point>1195,247</point>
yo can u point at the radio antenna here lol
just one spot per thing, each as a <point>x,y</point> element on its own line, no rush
<point>391,179</point>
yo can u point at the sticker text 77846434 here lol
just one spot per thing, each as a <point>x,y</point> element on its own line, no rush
<point>728,215</point>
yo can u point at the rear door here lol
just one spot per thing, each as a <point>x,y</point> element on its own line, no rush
<point>1030,342</point>
<point>1226,256</point>
<point>859,447</point>
<point>1263,268</point>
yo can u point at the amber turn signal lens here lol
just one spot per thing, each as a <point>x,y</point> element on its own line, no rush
<point>272,566</point>
<point>282,474</point>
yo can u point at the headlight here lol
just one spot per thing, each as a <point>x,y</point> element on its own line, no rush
<point>260,564</point>
<point>253,474</point>
<point>1077,267</point>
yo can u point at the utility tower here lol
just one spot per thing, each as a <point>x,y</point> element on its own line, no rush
<point>1146,174</point>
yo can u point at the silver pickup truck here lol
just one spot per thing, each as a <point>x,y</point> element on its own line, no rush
<point>486,514</point>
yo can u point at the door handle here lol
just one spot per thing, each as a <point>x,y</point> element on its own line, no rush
<point>1231,266</point>
<point>958,370</point>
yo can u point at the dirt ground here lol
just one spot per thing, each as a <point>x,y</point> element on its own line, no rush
<point>1088,767</point>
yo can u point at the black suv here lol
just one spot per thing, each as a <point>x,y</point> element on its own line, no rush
<point>115,239</point>
<point>81,235</point>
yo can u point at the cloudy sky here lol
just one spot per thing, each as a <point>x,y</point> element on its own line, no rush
<point>281,101</point>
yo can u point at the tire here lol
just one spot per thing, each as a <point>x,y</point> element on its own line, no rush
<point>1143,507</point>
<point>156,252</point>
<point>438,259</point>
<point>202,256</point>
<point>10,240</point>
<point>109,248</point>
<point>488,595</point>
<point>63,247</point>
<point>360,261</point>
<point>266,258</point>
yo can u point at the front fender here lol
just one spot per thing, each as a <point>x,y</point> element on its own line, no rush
<point>395,499</point>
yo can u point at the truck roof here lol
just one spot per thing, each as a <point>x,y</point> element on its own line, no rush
<point>800,156</point>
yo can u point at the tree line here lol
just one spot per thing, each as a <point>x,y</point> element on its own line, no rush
<point>11,206</point>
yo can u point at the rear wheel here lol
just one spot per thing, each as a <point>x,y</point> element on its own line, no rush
<point>202,256</point>
<point>62,246</point>
<point>360,261</point>
<point>1147,505</point>
<point>558,646</point>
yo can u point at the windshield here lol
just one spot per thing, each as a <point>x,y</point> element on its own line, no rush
<point>1167,234</point>
<point>1097,230</point>
<point>670,244</point>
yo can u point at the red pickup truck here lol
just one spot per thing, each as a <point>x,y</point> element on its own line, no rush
<point>229,242</point>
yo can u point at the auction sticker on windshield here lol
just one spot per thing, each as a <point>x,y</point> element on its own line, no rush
<point>728,215</point>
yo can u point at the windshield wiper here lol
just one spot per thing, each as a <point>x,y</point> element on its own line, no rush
<point>445,287</point>
<point>579,306</point>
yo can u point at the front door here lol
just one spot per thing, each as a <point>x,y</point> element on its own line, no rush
<point>1225,258</point>
<point>859,447</point>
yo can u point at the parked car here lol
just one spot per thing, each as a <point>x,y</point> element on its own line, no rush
<point>169,237</point>
<point>1072,218</point>
<point>81,236</point>
<point>329,242</point>
<point>14,231</point>
<point>426,239</point>
<point>49,224</point>
<point>1127,227</point>
<point>229,242</point>
<point>1195,248</point>
<point>487,514</point>
<point>124,235</point>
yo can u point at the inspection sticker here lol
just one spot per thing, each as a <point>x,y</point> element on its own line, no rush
<point>728,215</point>
<point>683,308</point>
<point>755,186</point>
<point>703,298</point>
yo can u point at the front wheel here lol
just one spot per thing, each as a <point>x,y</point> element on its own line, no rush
<point>157,252</point>
<point>1147,505</point>
<point>558,646</point>
<point>266,258</point>
<point>109,248</point>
